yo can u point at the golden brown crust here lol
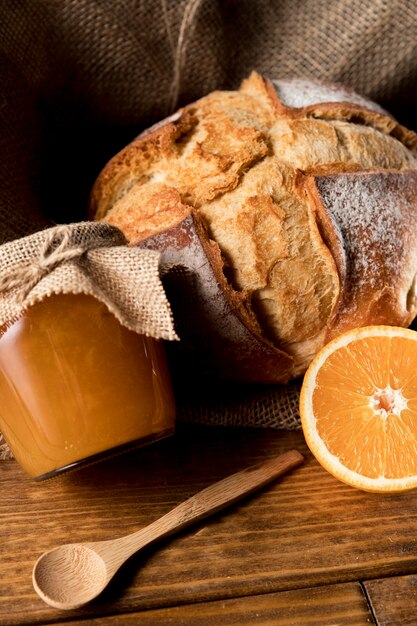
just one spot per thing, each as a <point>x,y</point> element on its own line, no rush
<point>132,166</point>
<point>253,167</point>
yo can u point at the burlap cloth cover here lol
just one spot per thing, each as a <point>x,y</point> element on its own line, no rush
<point>81,78</point>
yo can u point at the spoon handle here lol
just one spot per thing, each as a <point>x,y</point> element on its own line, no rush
<point>210,500</point>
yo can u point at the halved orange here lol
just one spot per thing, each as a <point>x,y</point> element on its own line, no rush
<point>358,408</point>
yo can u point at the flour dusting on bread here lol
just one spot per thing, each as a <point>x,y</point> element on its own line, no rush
<point>377,217</point>
<point>301,92</point>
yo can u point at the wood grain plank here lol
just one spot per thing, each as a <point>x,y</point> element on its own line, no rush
<point>308,529</point>
<point>393,600</point>
<point>344,605</point>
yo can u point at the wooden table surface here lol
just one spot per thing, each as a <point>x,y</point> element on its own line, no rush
<point>304,550</point>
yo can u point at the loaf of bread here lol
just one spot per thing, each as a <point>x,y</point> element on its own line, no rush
<point>291,206</point>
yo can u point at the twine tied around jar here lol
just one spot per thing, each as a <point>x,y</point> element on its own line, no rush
<point>57,248</point>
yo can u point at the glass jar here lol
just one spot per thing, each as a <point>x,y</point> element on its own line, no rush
<point>76,385</point>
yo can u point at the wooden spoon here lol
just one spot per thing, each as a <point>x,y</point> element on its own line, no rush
<point>71,575</point>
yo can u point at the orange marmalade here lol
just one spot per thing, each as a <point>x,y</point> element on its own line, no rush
<point>75,383</point>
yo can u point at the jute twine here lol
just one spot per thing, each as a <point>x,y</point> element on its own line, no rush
<point>25,274</point>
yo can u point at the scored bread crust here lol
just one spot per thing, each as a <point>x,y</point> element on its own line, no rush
<point>270,175</point>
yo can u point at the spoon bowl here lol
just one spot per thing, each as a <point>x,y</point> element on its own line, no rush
<point>72,575</point>
<point>83,574</point>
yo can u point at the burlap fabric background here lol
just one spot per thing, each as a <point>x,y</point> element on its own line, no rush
<point>80,78</point>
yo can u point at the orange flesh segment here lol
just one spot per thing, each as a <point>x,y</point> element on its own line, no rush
<point>347,395</point>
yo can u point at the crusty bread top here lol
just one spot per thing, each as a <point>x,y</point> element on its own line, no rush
<point>245,161</point>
